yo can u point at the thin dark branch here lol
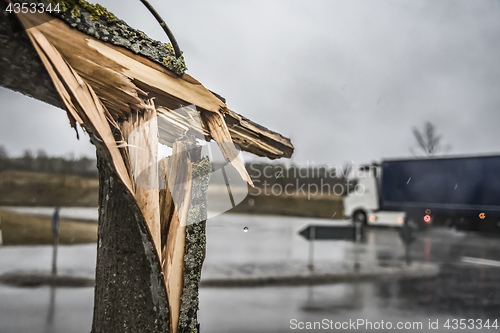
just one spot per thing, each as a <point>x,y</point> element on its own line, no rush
<point>169,33</point>
<point>420,139</point>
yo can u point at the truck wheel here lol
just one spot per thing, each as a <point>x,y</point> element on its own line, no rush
<point>359,217</point>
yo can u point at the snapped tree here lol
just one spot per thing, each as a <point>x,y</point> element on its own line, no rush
<point>125,91</point>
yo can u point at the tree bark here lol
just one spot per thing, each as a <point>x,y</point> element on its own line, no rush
<point>21,67</point>
<point>130,294</point>
<point>195,248</point>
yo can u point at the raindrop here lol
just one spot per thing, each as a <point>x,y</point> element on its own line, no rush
<point>245,229</point>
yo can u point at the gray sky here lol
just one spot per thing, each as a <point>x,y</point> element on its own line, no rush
<point>346,80</point>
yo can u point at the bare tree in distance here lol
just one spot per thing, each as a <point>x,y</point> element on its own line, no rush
<point>428,142</point>
<point>4,156</point>
<point>3,152</point>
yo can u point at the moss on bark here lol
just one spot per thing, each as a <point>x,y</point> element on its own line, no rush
<point>195,248</point>
<point>97,21</point>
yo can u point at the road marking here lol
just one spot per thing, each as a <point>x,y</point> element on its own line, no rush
<point>481,261</point>
<point>408,181</point>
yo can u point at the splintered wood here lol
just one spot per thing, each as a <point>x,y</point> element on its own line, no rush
<point>123,81</point>
<point>80,100</point>
<point>129,105</point>
<point>178,177</point>
<point>141,129</point>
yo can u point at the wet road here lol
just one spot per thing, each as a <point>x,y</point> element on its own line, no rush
<point>467,287</point>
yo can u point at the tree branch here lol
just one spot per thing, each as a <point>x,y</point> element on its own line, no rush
<point>178,52</point>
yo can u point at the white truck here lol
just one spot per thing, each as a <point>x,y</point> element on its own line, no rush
<point>453,191</point>
<point>361,204</point>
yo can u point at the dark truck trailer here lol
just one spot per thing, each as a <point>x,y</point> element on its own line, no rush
<point>458,191</point>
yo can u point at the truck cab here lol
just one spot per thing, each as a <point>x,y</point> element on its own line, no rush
<point>361,204</point>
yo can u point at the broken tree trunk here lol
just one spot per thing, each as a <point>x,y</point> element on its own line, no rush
<point>130,294</point>
<point>151,240</point>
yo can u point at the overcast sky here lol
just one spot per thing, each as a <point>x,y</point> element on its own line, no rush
<point>346,80</point>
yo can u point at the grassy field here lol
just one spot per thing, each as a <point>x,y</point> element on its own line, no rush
<point>23,188</point>
<point>323,207</point>
<point>20,229</point>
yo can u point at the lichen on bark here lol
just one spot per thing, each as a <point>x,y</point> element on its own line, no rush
<point>97,21</point>
<point>195,248</point>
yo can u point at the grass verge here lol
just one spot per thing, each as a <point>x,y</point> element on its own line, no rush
<point>25,188</point>
<point>20,229</point>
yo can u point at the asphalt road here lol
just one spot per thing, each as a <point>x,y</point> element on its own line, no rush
<point>465,296</point>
